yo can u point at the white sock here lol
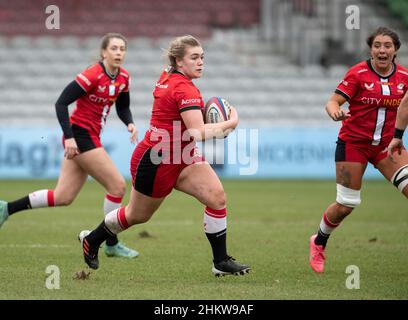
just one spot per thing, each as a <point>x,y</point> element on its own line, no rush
<point>326,226</point>
<point>111,203</point>
<point>215,220</point>
<point>115,220</point>
<point>41,198</point>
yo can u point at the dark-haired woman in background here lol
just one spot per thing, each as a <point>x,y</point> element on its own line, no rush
<point>374,89</point>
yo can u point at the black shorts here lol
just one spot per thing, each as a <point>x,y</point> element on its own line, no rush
<point>84,139</point>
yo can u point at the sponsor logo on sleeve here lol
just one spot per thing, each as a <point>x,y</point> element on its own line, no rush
<point>190,101</point>
<point>84,79</point>
<point>161,86</point>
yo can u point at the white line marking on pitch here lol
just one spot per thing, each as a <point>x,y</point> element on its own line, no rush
<point>35,245</point>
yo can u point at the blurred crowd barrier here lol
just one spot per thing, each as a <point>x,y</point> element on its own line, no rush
<point>246,153</point>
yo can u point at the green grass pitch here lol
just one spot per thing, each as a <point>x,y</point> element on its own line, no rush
<point>269,225</point>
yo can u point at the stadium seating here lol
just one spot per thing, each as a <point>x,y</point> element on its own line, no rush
<point>264,95</point>
<point>260,79</point>
<point>147,18</point>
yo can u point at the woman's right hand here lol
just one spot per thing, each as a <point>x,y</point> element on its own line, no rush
<point>339,114</point>
<point>233,120</point>
<point>71,148</point>
<point>334,110</point>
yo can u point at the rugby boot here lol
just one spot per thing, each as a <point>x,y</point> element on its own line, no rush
<point>229,266</point>
<point>317,255</point>
<point>90,251</point>
<point>120,250</point>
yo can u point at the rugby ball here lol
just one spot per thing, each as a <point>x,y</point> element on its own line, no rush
<point>216,110</point>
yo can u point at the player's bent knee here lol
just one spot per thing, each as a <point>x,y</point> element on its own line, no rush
<point>400,179</point>
<point>119,190</point>
<point>218,200</point>
<point>348,197</point>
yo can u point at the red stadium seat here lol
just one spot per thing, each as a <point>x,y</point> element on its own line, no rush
<point>151,18</point>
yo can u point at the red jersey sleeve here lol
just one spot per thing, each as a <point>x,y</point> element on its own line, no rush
<point>127,80</point>
<point>187,97</point>
<point>88,78</point>
<point>348,87</point>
